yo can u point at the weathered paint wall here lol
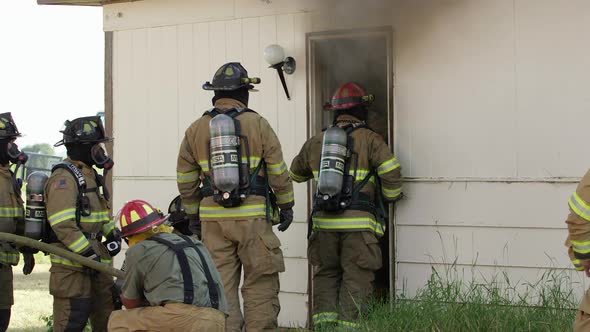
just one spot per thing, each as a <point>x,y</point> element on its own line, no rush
<point>490,101</point>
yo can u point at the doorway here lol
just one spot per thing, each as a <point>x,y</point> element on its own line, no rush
<point>364,57</point>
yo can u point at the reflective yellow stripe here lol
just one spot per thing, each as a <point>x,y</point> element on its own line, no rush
<point>347,324</point>
<point>582,247</point>
<point>108,228</point>
<point>324,317</point>
<point>204,165</point>
<point>191,208</point>
<point>79,245</point>
<point>254,161</point>
<point>388,166</point>
<point>241,211</point>
<point>11,212</point>
<point>579,206</point>
<point>96,216</point>
<point>391,193</point>
<point>9,258</point>
<point>297,177</point>
<point>349,223</point>
<point>577,264</point>
<point>277,169</point>
<point>62,215</point>
<point>187,177</point>
<point>60,260</point>
<point>285,198</point>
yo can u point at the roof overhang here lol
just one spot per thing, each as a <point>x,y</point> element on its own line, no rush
<point>81,2</point>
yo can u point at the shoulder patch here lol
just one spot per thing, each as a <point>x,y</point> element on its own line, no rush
<point>60,184</point>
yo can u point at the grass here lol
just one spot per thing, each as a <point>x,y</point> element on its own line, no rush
<point>449,304</point>
<point>445,303</point>
<point>31,297</point>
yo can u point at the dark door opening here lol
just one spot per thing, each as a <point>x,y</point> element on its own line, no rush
<point>364,57</point>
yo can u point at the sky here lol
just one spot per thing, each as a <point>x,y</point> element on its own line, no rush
<point>51,66</point>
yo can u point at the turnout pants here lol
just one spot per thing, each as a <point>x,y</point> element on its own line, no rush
<point>582,323</point>
<point>252,246</point>
<point>6,295</point>
<point>344,265</point>
<point>79,296</point>
<point>170,317</point>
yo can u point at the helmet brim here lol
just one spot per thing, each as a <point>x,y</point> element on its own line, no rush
<point>210,87</point>
<point>147,227</point>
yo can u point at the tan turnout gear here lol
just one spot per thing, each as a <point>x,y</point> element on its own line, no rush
<point>240,237</point>
<point>78,293</point>
<point>344,248</point>
<point>11,219</point>
<point>11,216</point>
<point>173,317</point>
<point>578,242</point>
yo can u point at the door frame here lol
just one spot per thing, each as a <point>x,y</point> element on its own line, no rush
<point>314,122</point>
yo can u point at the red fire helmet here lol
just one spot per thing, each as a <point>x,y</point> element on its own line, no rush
<point>349,95</point>
<point>138,216</point>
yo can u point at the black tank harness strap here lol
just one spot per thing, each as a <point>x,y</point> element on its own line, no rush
<point>187,277</point>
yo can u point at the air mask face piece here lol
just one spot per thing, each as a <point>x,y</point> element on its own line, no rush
<point>100,156</point>
<point>14,154</point>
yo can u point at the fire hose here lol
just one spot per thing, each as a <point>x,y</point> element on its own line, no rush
<point>48,248</point>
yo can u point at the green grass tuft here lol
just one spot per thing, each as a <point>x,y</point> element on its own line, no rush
<point>449,304</point>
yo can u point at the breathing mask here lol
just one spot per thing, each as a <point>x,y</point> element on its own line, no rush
<point>15,155</point>
<point>100,157</point>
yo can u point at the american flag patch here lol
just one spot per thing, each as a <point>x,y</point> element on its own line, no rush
<point>61,184</point>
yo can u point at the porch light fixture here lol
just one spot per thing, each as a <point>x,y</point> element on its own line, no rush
<point>275,56</point>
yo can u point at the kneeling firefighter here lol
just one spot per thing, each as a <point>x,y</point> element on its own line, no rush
<point>78,214</point>
<point>171,283</point>
<point>356,175</point>
<point>12,215</point>
<point>236,155</point>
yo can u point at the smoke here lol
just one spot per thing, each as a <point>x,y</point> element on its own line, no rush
<point>357,53</point>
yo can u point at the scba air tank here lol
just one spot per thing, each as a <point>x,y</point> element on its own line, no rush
<point>224,154</point>
<point>35,213</point>
<point>332,164</point>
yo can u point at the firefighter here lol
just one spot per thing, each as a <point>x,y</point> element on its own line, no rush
<point>578,243</point>
<point>78,213</point>
<point>11,215</point>
<point>236,155</point>
<point>171,283</point>
<point>177,217</point>
<point>355,172</point>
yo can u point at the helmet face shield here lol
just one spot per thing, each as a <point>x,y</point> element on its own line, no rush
<point>83,130</point>
<point>7,126</point>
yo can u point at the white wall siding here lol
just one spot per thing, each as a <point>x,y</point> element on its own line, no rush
<point>485,91</point>
<point>158,73</point>
<point>490,109</point>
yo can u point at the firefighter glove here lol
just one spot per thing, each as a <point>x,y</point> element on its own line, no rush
<point>286,216</point>
<point>29,263</point>
<point>90,253</point>
<point>194,224</point>
<point>116,293</point>
<point>28,250</point>
<point>113,242</point>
